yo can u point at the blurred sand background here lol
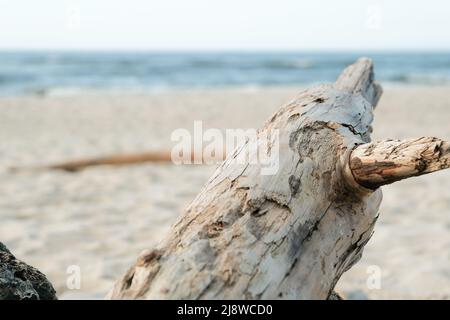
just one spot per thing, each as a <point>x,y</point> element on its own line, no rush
<point>102,217</point>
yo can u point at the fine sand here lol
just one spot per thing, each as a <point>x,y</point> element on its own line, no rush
<point>101,218</point>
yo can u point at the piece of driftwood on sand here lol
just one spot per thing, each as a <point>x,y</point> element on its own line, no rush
<point>124,159</point>
<point>293,233</point>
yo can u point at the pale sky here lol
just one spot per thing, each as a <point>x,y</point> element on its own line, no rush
<point>225,24</point>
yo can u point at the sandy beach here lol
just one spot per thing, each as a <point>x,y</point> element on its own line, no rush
<point>101,218</point>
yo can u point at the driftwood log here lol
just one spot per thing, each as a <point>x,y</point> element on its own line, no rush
<point>123,159</point>
<point>108,160</point>
<point>293,234</point>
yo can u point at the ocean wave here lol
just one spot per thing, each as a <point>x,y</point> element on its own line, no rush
<point>289,64</point>
<point>252,64</point>
<point>47,73</point>
<point>12,78</point>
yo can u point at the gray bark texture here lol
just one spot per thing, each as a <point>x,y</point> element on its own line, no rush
<point>288,235</point>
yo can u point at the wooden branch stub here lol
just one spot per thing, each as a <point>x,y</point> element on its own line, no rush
<point>384,162</point>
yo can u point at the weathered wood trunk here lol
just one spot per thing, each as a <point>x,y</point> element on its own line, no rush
<point>250,235</point>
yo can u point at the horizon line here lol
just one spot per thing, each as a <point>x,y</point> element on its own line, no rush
<point>232,50</point>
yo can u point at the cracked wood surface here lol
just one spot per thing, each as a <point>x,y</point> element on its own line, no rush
<point>287,235</point>
<point>383,162</point>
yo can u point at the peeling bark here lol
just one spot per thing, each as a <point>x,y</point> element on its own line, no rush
<point>289,235</point>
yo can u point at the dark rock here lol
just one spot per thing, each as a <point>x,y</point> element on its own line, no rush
<point>19,281</point>
<point>335,296</point>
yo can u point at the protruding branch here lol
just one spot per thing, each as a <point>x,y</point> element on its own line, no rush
<point>384,162</point>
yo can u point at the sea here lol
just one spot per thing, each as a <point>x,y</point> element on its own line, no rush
<point>72,72</point>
